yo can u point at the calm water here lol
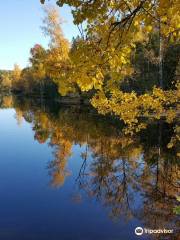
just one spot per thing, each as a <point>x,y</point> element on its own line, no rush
<point>67,174</point>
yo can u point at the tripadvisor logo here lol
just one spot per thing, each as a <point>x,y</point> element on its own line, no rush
<point>140,231</point>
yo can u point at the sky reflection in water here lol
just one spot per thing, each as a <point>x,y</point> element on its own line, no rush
<point>72,175</point>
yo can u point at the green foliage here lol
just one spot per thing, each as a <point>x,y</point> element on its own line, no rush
<point>5,80</point>
<point>177,208</point>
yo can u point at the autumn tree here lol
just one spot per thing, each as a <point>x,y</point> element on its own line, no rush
<point>37,60</point>
<point>16,77</point>
<point>6,81</point>
<point>57,61</point>
<point>114,27</point>
<point>102,59</point>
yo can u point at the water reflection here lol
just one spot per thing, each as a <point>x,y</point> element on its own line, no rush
<point>131,176</point>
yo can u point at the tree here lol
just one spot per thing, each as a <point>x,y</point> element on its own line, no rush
<point>114,28</point>
<point>37,59</point>
<point>6,81</point>
<point>16,77</point>
<point>57,60</point>
<point>102,59</point>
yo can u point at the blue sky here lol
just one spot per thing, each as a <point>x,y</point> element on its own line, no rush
<point>20,22</point>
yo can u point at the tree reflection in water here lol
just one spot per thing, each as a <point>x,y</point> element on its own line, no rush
<point>131,175</point>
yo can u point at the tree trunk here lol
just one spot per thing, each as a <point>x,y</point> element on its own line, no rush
<point>160,57</point>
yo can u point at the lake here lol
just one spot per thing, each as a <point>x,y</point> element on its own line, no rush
<point>68,174</point>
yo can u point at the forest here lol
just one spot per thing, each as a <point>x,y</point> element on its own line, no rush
<point>124,63</point>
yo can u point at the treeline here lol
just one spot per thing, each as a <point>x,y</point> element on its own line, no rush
<point>128,71</point>
<point>39,79</point>
<point>27,82</point>
<point>52,72</point>
<point>45,77</point>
